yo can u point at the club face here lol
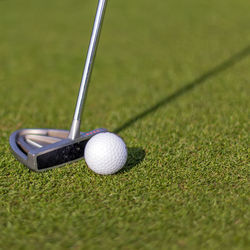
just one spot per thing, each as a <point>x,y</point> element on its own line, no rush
<point>43,149</point>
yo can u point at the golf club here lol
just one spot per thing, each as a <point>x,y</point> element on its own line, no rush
<point>43,149</point>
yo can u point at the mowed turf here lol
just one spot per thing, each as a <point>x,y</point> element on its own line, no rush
<point>172,78</point>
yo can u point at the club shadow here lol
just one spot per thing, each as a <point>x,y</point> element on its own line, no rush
<point>135,156</point>
<point>236,58</point>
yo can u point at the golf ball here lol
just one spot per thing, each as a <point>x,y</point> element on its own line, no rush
<point>105,153</point>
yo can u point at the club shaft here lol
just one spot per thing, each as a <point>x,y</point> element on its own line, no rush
<point>75,127</point>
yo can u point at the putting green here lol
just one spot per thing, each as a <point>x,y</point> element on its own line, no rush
<point>171,78</point>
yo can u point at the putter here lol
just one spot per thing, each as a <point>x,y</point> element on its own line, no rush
<point>43,149</point>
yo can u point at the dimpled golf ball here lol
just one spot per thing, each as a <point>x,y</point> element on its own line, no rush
<point>105,153</point>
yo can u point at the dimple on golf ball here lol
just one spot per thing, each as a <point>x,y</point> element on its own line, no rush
<point>105,153</point>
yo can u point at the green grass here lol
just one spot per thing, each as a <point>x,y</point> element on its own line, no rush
<point>172,78</point>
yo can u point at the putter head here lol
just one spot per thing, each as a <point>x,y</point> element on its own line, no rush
<point>43,149</point>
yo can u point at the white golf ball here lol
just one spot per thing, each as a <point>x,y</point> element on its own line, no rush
<point>105,153</point>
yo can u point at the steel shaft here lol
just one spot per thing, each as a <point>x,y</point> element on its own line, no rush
<point>75,127</point>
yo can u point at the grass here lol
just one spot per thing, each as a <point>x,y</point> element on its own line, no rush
<point>172,78</point>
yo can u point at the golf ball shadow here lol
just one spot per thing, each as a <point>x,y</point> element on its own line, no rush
<point>135,156</point>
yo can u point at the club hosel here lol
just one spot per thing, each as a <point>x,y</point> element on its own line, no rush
<point>75,130</point>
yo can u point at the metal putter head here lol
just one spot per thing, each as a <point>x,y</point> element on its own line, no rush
<point>43,149</point>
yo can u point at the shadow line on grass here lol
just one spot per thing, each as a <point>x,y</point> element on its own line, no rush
<point>188,87</point>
